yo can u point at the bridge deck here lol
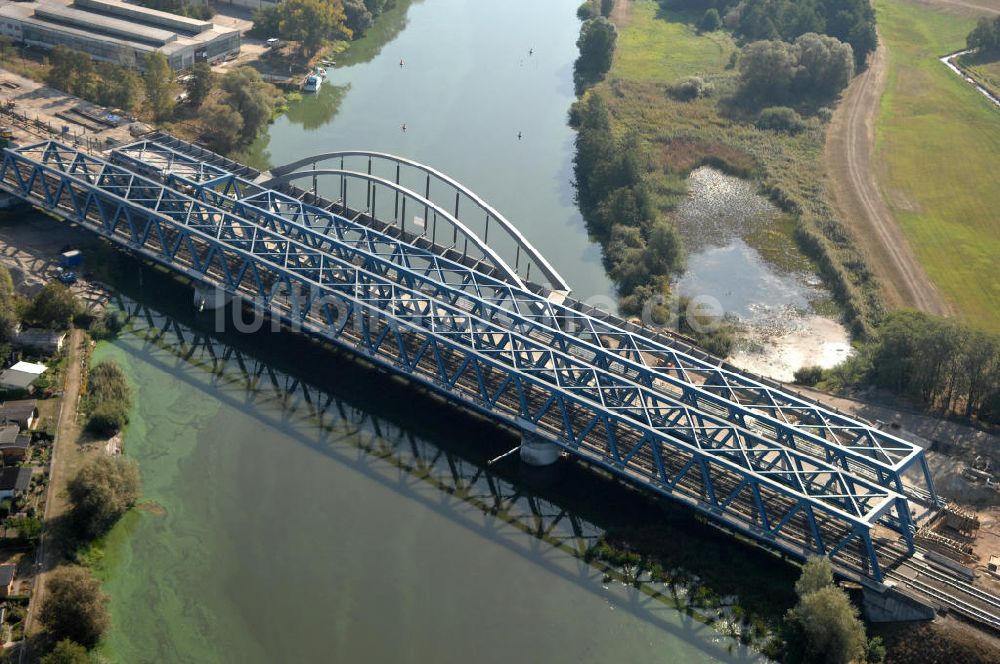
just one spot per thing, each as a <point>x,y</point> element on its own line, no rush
<point>763,462</point>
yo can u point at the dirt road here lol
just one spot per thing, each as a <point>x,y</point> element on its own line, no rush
<point>849,155</point>
<point>63,464</point>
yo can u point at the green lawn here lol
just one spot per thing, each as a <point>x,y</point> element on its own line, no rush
<point>940,141</point>
<point>659,49</point>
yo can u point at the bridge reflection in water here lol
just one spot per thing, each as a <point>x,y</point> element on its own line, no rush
<point>467,492</point>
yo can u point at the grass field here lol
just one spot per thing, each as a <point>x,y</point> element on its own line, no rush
<point>656,49</point>
<point>939,140</point>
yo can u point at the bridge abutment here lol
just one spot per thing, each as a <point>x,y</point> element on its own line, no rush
<point>893,606</point>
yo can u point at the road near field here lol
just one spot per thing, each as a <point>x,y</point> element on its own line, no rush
<point>849,154</point>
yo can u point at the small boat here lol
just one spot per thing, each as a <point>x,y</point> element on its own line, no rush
<point>312,84</point>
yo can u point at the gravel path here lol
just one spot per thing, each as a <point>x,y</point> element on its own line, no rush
<point>849,155</point>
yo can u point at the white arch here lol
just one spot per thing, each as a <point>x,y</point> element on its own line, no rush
<point>486,250</point>
<point>282,174</point>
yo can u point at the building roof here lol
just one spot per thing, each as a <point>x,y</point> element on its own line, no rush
<point>30,367</point>
<point>113,22</point>
<point>37,336</point>
<point>7,571</point>
<point>19,410</point>
<point>15,478</point>
<point>8,434</point>
<point>11,378</point>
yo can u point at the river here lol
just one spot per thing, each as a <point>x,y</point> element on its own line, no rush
<point>270,534</point>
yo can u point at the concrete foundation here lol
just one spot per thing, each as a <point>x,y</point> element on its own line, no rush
<point>891,606</point>
<point>536,451</point>
<point>211,298</point>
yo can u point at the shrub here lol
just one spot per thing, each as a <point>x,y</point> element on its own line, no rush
<point>808,376</point>
<point>710,21</point>
<point>690,88</point>
<point>68,652</point>
<point>109,399</point>
<point>781,118</point>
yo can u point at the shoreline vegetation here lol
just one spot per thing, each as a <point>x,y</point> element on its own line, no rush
<point>690,96</point>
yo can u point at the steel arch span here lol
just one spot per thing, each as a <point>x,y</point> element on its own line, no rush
<point>440,192</point>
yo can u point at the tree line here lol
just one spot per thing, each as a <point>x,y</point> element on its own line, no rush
<point>312,23</point>
<point>596,44</point>
<point>849,21</point>
<point>985,37</point>
<point>938,363</point>
<point>641,249</point>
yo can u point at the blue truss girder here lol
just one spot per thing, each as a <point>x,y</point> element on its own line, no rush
<point>438,334</point>
<point>855,447</point>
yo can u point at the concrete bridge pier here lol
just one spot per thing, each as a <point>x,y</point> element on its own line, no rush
<point>210,297</point>
<point>537,451</point>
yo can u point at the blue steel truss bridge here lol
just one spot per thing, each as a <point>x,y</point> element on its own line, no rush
<point>412,271</point>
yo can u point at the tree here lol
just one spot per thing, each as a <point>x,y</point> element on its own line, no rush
<point>767,69</point>
<point>251,97</point>
<point>159,80</point>
<point>109,399</point>
<point>54,306</point>
<point>825,65</point>
<point>664,252</point>
<point>985,36</point>
<point>357,17</point>
<point>102,491</point>
<point>224,127</point>
<point>825,628</point>
<point>68,652</point>
<point>9,318</point>
<point>710,21</point>
<point>816,574</point>
<point>199,84</point>
<point>63,70</point>
<point>597,47</point>
<point>28,527</point>
<point>312,22</point>
<point>74,607</point>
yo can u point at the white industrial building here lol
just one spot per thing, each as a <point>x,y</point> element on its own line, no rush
<point>117,32</point>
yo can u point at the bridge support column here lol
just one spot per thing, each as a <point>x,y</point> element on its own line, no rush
<point>537,451</point>
<point>210,297</point>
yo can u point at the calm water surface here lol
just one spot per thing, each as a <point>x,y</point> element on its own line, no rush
<point>467,88</point>
<point>738,256</point>
<point>269,534</point>
<point>268,537</point>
